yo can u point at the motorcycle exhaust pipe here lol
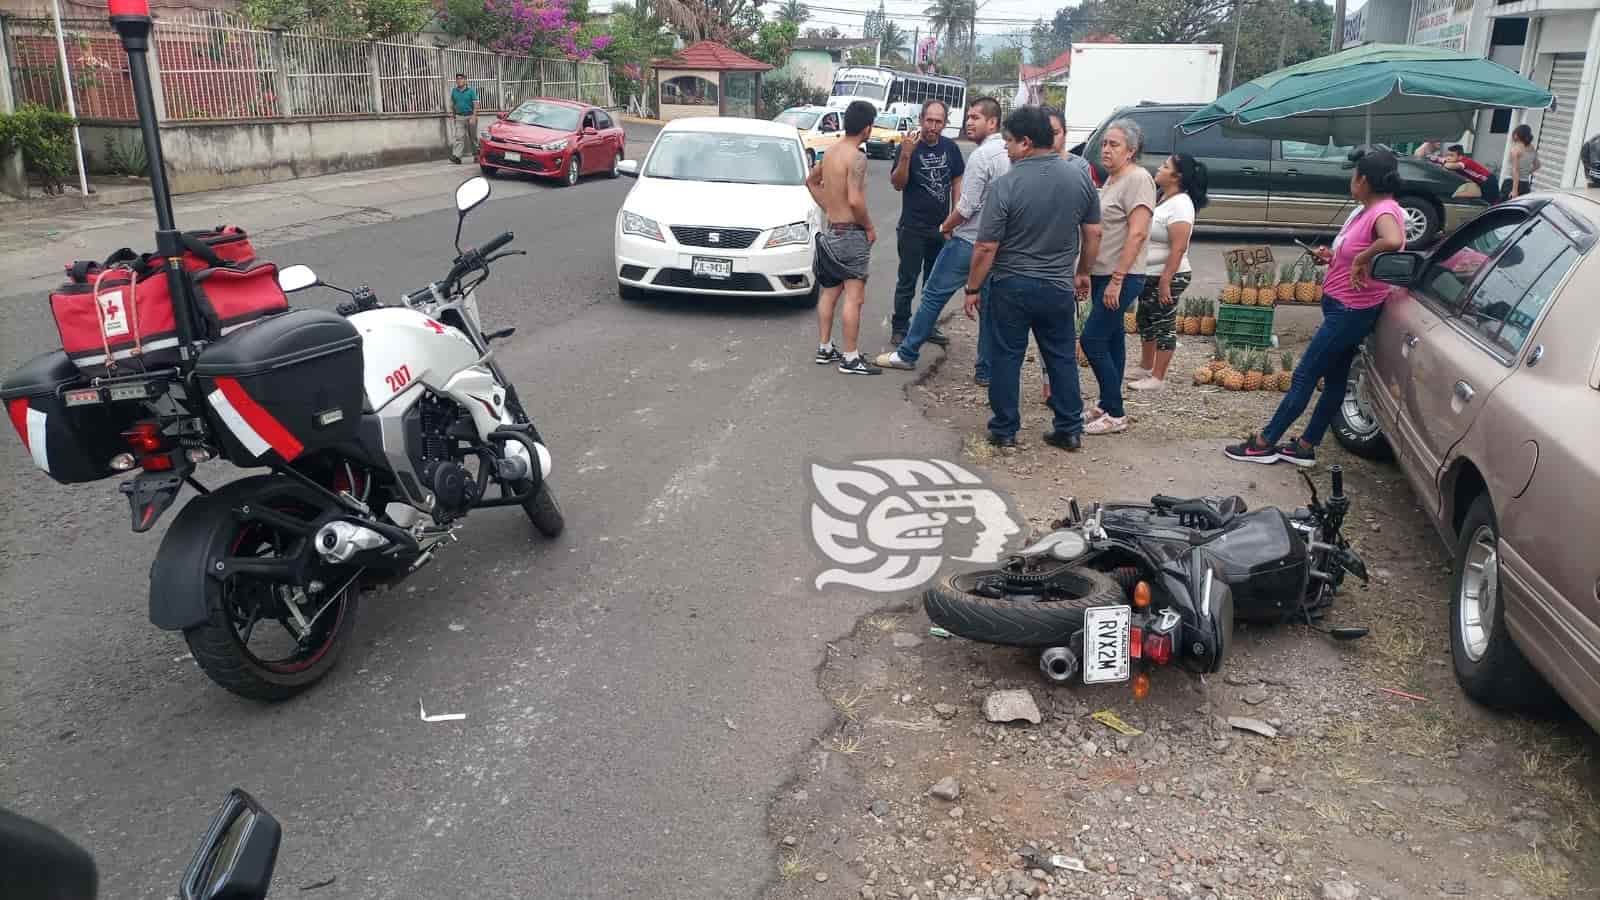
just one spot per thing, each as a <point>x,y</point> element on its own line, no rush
<point>340,541</point>
<point>1058,664</point>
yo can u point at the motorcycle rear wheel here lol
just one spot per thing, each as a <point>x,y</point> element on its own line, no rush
<point>1016,619</point>
<point>233,605</point>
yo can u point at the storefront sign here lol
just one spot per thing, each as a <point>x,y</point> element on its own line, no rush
<point>1442,23</point>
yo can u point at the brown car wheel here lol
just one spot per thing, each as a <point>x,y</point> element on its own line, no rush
<point>1488,663</point>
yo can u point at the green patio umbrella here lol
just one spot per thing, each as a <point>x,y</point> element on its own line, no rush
<point>1394,92</point>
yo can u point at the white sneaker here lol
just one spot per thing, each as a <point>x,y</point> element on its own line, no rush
<point>1107,424</point>
<point>1150,383</point>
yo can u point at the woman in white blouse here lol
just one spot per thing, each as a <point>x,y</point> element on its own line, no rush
<point>1182,183</point>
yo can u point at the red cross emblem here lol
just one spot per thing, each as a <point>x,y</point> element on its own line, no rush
<point>438,329</point>
<point>112,310</point>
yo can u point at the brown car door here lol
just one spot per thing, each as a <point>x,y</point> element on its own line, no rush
<point>1409,347</point>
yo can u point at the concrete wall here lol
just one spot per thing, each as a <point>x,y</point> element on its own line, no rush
<point>205,156</point>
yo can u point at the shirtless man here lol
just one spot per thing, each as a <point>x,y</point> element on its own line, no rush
<point>844,247</point>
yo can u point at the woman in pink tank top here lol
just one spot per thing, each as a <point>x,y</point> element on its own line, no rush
<point>1351,302</point>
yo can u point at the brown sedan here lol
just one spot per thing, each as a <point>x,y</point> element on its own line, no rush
<point>1482,379</point>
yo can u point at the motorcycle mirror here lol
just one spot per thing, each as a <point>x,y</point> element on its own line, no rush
<point>469,194</point>
<point>236,859</point>
<point>296,278</point>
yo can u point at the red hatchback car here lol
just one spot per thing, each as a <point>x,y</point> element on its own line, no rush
<point>553,139</point>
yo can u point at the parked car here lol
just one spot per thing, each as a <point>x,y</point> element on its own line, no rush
<point>888,130</point>
<point>721,207</point>
<point>553,138</point>
<point>1260,183</point>
<point>820,128</point>
<point>1482,379</point>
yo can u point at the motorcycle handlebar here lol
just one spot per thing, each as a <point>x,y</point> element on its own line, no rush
<point>1338,480</point>
<point>495,244</point>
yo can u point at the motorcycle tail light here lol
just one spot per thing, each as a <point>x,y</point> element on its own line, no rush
<point>1136,642</point>
<point>144,437</point>
<point>1141,686</point>
<point>1157,648</point>
<point>1141,595</point>
<point>160,462</point>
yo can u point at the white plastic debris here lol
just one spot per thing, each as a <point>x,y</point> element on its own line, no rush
<point>441,717</point>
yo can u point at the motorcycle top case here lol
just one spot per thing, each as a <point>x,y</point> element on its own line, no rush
<point>284,386</point>
<point>72,444</point>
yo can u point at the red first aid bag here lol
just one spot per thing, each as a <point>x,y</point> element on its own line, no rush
<point>117,317</point>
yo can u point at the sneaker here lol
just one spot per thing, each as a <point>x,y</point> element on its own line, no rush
<point>829,354</point>
<point>1138,372</point>
<point>1107,424</point>
<point>456,160</point>
<point>938,337</point>
<point>1068,442</point>
<point>1292,451</point>
<point>893,361</point>
<point>858,366</point>
<point>1250,450</point>
<point>1147,383</point>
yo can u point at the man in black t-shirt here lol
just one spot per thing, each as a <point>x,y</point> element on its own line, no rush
<point>927,172</point>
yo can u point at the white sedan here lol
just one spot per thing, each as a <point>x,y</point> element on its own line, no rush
<point>721,208</point>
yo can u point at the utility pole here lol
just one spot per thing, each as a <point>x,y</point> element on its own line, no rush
<point>1233,57</point>
<point>1283,36</point>
<point>1336,40</point>
<point>916,48</point>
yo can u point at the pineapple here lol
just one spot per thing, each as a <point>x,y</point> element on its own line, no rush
<point>1191,322</point>
<point>1286,284</point>
<point>1233,379</point>
<point>1208,318</point>
<point>1082,315</point>
<point>1304,290</point>
<point>1247,293</point>
<point>1202,375</point>
<point>1316,283</point>
<point>1219,360</point>
<point>1231,293</point>
<point>1130,322</point>
<point>1267,290</point>
<point>1252,375</point>
<point>1286,376</point>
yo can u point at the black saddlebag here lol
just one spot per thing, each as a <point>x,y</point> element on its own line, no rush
<point>72,444</point>
<point>284,386</point>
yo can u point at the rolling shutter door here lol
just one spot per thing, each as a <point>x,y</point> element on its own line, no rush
<point>1565,81</point>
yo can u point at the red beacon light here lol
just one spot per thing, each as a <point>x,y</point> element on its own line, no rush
<point>130,8</point>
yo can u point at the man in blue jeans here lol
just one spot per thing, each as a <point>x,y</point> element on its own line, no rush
<point>960,229</point>
<point>1035,221</point>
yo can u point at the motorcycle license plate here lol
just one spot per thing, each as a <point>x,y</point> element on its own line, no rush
<point>704,267</point>
<point>513,157</point>
<point>1106,657</point>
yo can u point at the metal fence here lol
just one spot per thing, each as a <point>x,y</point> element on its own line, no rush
<point>213,65</point>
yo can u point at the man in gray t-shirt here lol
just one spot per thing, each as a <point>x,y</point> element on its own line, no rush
<point>1039,230</point>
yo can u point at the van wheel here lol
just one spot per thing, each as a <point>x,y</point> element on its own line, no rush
<point>1356,427</point>
<point>1422,221</point>
<point>1488,663</point>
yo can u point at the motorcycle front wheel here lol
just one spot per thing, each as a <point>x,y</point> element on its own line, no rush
<point>270,641</point>
<point>962,605</point>
<point>545,513</point>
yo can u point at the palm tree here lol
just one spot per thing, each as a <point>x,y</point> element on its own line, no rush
<point>795,12</point>
<point>895,40</point>
<point>953,19</point>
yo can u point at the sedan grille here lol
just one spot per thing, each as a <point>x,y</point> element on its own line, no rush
<point>726,238</point>
<point>749,282</point>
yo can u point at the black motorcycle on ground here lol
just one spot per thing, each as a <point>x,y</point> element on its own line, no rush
<point>1112,592</point>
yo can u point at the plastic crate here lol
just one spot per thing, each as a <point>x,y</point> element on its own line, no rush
<point>1244,326</point>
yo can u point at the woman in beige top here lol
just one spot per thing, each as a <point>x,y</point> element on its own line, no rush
<point>1127,203</point>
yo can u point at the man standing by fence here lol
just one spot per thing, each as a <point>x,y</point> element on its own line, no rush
<point>463,120</point>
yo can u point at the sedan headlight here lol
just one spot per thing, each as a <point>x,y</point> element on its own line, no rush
<point>798,233</point>
<point>633,223</point>
<point>555,145</point>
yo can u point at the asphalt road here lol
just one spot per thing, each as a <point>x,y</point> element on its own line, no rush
<point>635,692</point>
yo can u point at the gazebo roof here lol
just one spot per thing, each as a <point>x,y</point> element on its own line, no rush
<point>710,55</point>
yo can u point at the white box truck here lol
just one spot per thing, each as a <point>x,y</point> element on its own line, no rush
<point>1105,77</point>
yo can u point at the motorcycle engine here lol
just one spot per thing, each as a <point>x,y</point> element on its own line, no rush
<point>454,488</point>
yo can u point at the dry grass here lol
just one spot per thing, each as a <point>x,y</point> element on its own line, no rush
<point>849,704</point>
<point>1330,810</point>
<point>1544,877</point>
<point>883,623</point>
<point>978,449</point>
<point>794,863</point>
<point>846,745</point>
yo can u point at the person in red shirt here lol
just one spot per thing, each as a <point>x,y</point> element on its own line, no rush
<point>1457,160</point>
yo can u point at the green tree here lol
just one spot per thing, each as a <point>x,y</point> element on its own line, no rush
<point>872,22</point>
<point>1277,33</point>
<point>366,19</point>
<point>774,42</point>
<point>794,12</point>
<point>953,20</point>
<point>896,43</point>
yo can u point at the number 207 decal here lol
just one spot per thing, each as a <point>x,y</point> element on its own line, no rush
<point>398,379</point>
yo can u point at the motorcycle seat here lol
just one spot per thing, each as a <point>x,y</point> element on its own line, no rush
<point>1206,513</point>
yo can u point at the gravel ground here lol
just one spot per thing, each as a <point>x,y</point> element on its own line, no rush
<point>1363,793</point>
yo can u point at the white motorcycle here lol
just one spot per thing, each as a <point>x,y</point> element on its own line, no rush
<point>382,426</point>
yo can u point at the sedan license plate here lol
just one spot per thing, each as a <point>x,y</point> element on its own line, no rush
<point>1106,632</point>
<point>513,157</point>
<point>704,267</point>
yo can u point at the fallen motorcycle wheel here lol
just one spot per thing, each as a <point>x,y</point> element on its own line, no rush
<point>266,640</point>
<point>545,513</point>
<point>962,603</point>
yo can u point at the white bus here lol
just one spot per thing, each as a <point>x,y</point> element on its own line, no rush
<point>902,93</point>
